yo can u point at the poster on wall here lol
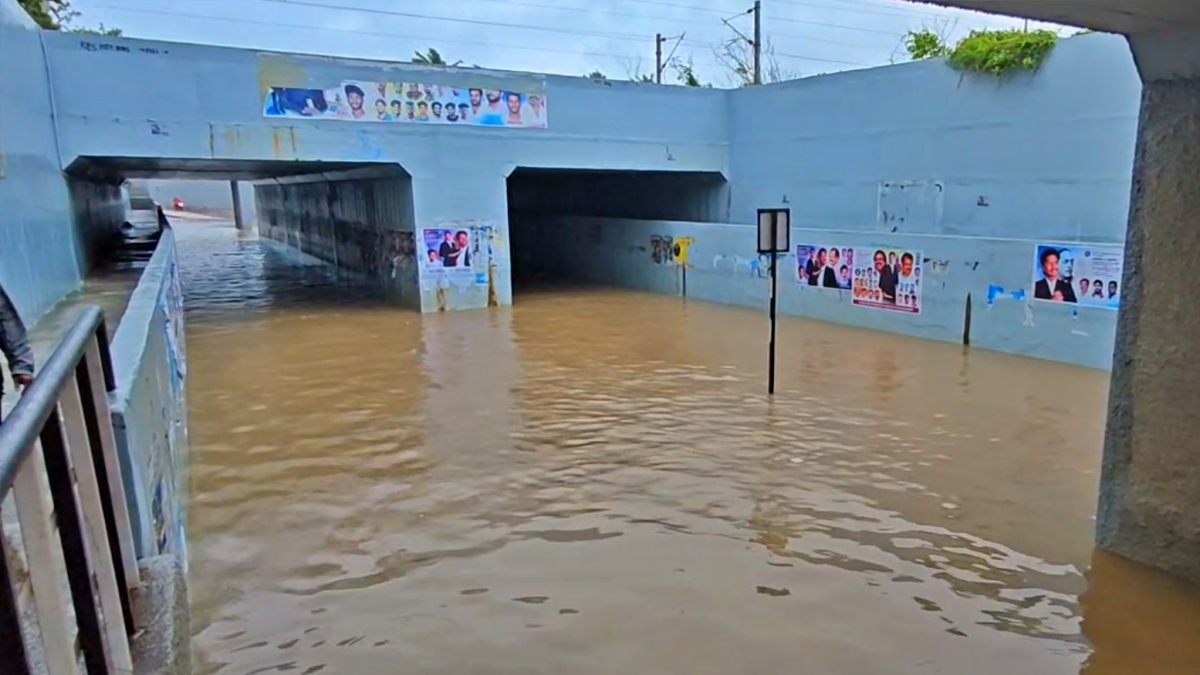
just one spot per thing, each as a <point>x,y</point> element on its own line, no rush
<point>1083,275</point>
<point>888,278</point>
<point>448,255</point>
<point>662,249</point>
<point>412,103</point>
<point>824,266</point>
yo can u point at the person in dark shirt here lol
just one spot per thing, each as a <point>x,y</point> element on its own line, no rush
<point>449,251</point>
<point>1051,287</point>
<point>887,277</point>
<point>15,344</point>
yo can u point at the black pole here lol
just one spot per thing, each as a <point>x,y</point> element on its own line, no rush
<point>684,268</point>
<point>771,348</point>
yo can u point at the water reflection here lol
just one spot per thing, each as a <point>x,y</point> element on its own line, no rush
<point>594,482</point>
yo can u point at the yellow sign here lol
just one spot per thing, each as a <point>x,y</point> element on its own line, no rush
<point>681,249</point>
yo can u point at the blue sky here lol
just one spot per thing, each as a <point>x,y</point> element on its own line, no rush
<point>570,37</point>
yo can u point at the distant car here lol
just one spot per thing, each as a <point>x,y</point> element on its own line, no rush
<point>178,204</point>
<point>141,219</point>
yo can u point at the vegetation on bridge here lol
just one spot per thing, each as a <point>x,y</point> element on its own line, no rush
<point>59,15</point>
<point>989,52</point>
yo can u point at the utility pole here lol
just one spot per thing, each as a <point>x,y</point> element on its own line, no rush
<point>658,64</point>
<point>757,42</point>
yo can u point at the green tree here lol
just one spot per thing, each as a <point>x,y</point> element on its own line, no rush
<point>59,15</point>
<point>926,44</point>
<point>432,57</point>
<point>685,74</point>
<point>596,75</point>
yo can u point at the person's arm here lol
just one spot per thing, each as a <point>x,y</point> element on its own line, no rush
<point>14,342</point>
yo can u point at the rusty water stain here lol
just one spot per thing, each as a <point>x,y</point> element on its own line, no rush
<point>493,296</point>
<point>292,137</point>
<point>441,299</point>
<point>276,144</point>
<point>212,142</point>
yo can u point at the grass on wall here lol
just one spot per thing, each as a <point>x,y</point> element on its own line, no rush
<point>987,52</point>
<point>1001,52</point>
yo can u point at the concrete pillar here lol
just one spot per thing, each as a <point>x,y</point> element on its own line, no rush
<point>1150,486</point>
<point>235,191</point>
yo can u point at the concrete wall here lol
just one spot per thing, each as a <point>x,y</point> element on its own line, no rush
<point>36,205</point>
<point>980,172</point>
<point>98,211</point>
<point>149,407</point>
<point>363,226</point>
<point>208,105</point>
<point>724,267</point>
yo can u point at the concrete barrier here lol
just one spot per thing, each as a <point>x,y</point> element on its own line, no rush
<point>149,407</point>
<point>149,411</point>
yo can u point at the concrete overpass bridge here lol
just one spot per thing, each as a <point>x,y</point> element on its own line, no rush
<point>101,110</point>
<point>1150,490</point>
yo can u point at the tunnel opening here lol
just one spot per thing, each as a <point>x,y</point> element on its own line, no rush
<point>356,216</point>
<point>569,227</point>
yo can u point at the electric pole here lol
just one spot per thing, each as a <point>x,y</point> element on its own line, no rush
<point>658,64</point>
<point>738,62</point>
<point>757,42</point>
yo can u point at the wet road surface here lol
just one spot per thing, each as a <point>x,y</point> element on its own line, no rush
<point>594,482</point>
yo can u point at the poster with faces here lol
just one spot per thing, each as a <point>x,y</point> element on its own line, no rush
<point>888,279</point>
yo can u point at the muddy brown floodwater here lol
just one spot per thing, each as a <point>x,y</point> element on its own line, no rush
<point>593,482</point>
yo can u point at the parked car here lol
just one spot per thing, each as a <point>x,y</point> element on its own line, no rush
<point>143,220</point>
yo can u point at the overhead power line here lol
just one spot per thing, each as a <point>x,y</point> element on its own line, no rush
<point>422,38</point>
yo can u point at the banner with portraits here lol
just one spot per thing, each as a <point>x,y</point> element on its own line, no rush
<point>1084,275</point>
<point>888,279</point>
<point>825,266</point>
<point>411,103</point>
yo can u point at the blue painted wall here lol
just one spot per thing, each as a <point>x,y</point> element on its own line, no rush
<point>39,256</point>
<point>971,171</point>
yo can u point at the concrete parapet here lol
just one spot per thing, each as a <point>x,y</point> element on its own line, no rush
<point>162,644</point>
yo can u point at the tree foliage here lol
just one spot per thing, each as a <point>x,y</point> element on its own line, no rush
<point>60,15</point>
<point>992,52</point>
<point>685,73</point>
<point>925,44</point>
<point>432,57</point>
<point>596,75</point>
<point>737,56</point>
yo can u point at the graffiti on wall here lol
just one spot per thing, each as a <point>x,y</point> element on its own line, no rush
<point>823,266</point>
<point>888,279</point>
<point>662,249</point>
<point>1083,275</point>
<point>167,469</point>
<point>412,103</point>
<point>402,249</point>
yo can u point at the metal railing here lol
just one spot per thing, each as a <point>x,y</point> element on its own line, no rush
<point>58,460</point>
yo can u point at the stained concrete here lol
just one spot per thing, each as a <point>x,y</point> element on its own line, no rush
<point>162,644</point>
<point>1150,491</point>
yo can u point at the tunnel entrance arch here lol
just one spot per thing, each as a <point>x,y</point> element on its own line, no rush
<point>356,216</point>
<point>585,225</point>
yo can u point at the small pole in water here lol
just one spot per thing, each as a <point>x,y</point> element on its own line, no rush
<point>774,230</point>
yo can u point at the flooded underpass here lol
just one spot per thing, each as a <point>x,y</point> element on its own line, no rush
<point>593,481</point>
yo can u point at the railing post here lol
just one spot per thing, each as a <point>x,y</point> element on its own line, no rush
<point>116,613</point>
<point>93,391</point>
<point>12,646</point>
<point>42,552</point>
<point>96,654</point>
